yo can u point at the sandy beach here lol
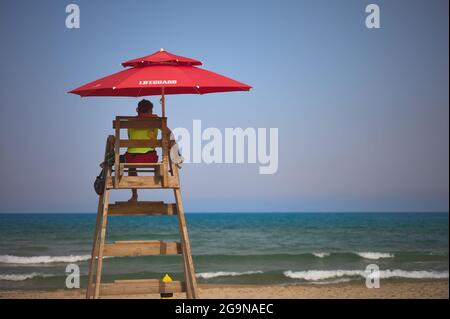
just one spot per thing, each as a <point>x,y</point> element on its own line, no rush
<point>423,289</point>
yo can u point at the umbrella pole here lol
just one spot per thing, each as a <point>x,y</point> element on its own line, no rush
<point>163,103</point>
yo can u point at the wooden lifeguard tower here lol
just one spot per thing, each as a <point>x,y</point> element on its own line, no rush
<point>161,175</point>
<point>159,73</point>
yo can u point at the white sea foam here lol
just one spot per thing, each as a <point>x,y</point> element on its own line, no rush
<point>314,275</point>
<point>321,254</point>
<point>10,259</point>
<point>437,253</point>
<point>417,274</point>
<point>209,275</point>
<point>22,277</point>
<point>375,256</point>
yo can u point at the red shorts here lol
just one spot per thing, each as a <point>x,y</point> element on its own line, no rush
<point>149,157</point>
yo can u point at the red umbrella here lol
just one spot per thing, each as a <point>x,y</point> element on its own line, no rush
<point>161,56</point>
<point>160,73</point>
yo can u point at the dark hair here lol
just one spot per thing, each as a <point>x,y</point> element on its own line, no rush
<point>144,106</point>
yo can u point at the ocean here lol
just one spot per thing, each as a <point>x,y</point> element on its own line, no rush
<point>231,248</point>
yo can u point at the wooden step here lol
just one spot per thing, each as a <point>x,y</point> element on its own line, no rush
<point>141,248</point>
<point>141,182</point>
<point>142,209</point>
<point>141,286</point>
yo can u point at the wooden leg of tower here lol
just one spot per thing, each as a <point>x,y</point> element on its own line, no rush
<point>94,248</point>
<point>185,268</point>
<point>101,244</point>
<point>191,283</point>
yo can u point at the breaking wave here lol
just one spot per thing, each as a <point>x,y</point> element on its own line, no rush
<point>321,255</point>
<point>22,277</point>
<point>209,275</point>
<point>375,256</point>
<point>314,275</point>
<point>10,259</point>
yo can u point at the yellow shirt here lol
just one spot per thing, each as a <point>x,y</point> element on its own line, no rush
<point>142,134</point>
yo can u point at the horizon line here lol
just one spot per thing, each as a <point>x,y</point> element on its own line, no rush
<point>258,212</point>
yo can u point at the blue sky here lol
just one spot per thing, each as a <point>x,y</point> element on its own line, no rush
<point>363,115</point>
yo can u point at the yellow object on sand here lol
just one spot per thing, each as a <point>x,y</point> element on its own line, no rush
<point>167,295</point>
<point>167,278</point>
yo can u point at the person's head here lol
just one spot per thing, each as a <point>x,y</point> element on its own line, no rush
<point>145,107</point>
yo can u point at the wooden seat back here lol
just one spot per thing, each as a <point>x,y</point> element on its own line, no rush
<point>126,122</point>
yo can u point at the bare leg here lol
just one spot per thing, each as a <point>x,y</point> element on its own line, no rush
<point>134,193</point>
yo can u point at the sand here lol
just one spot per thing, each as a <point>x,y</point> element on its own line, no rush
<point>417,289</point>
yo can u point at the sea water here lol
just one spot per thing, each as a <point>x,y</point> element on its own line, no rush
<point>231,248</point>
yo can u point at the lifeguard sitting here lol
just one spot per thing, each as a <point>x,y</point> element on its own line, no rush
<point>141,154</point>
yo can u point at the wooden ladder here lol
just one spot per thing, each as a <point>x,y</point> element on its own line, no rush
<point>100,248</point>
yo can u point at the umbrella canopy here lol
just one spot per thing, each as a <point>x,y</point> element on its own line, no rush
<point>161,73</point>
<point>150,80</point>
<point>161,57</point>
